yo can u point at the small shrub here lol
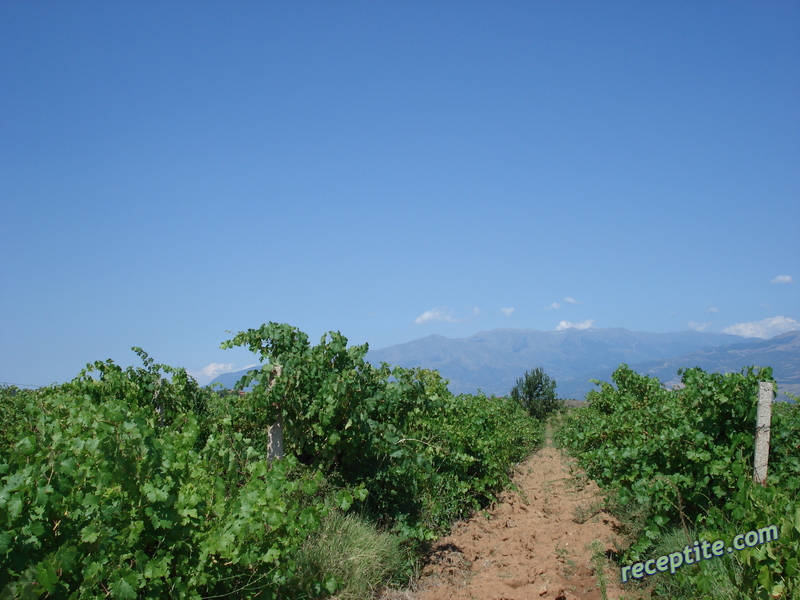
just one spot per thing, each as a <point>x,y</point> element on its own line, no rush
<point>536,393</point>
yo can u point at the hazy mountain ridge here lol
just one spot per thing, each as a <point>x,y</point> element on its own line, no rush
<point>781,352</point>
<point>492,360</point>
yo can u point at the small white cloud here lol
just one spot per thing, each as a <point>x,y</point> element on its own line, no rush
<point>699,326</point>
<point>553,306</point>
<point>711,310</point>
<point>567,325</point>
<point>215,369</point>
<point>507,311</point>
<point>767,306</point>
<point>437,314</point>
<point>569,300</point>
<point>766,328</point>
<point>476,311</point>
<point>783,279</point>
<point>209,372</point>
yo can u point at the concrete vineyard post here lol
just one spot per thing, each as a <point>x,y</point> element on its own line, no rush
<point>763,421</point>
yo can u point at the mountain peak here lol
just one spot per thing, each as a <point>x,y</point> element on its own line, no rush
<point>492,360</point>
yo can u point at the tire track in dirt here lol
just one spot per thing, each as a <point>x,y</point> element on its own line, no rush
<point>538,543</point>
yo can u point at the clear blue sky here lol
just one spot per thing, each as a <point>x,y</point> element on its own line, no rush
<point>173,170</point>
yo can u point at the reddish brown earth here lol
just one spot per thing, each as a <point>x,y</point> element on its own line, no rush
<point>534,544</point>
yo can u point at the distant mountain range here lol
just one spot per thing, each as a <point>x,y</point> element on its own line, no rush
<point>782,353</point>
<point>493,360</point>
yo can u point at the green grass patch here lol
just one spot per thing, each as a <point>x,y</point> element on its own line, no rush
<point>349,557</point>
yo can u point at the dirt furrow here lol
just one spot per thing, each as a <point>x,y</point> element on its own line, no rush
<point>548,541</point>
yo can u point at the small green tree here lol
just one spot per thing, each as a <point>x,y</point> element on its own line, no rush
<point>536,392</point>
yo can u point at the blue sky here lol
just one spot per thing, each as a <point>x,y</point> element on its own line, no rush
<point>170,172</point>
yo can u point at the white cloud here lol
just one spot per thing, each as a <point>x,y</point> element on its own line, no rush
<point>699,326</point>
<point>567,299</point>
<point>507,311</point>
<point>783,279</point>
<point>711,310</point>
<point>766,328</point>
<point>437,314</point>
<point>209,372</point>
<point>567,325</point>
<point>476,311</point>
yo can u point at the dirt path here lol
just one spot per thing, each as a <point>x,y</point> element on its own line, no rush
<point>537,544</point>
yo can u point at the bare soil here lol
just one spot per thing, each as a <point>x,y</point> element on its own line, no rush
<point>550,540</point>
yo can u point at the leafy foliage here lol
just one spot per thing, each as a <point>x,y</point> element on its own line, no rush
<point>536,393</point>
<point>423,455</point>
<point>684,458</point>
<point>141,484</point>
<point>17,414</point>
<point>101,499</point>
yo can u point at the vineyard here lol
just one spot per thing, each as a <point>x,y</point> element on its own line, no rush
<point>138,483</point>
<point>679,465</point>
